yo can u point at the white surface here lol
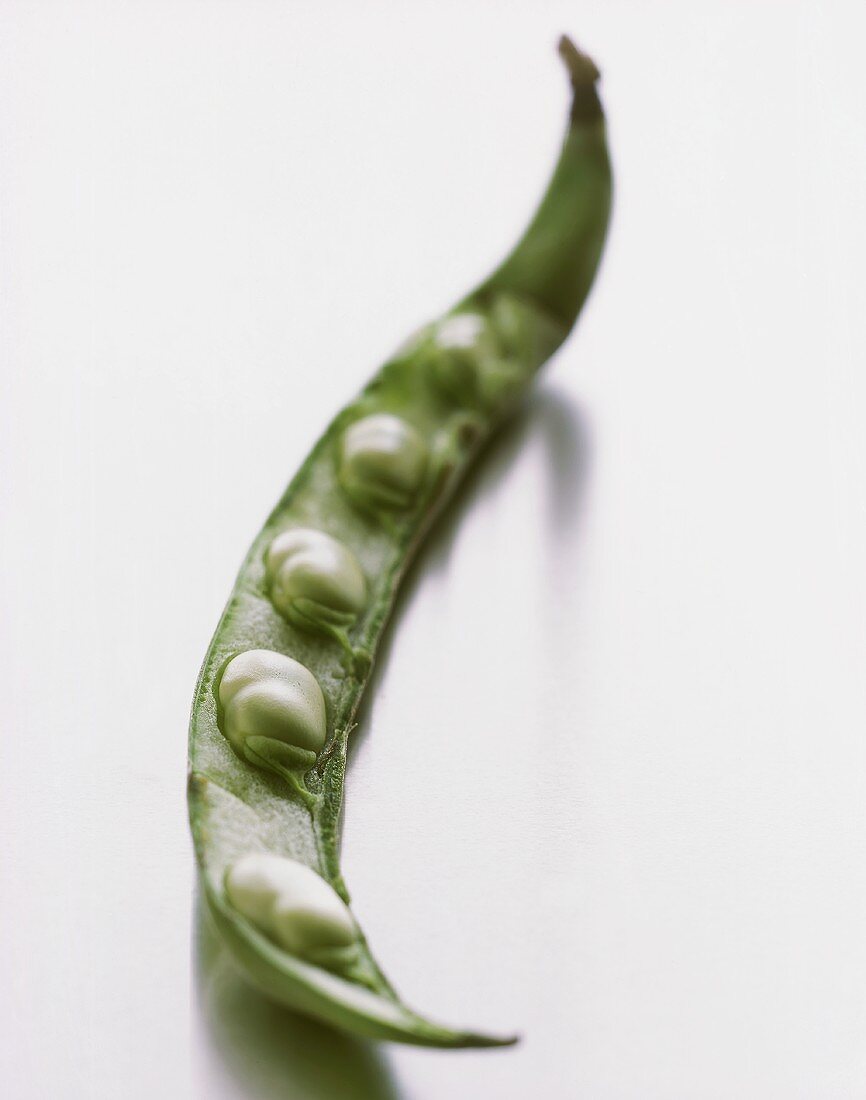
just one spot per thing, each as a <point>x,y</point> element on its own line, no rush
<point>610,789</point>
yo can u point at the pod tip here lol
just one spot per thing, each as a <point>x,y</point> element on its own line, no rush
<point>581,68</point>
<point>583,74</point>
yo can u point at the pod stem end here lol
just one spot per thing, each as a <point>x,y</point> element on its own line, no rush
<point>583,74</point>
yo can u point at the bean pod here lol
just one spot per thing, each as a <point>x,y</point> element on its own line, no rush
<point>285,672</point>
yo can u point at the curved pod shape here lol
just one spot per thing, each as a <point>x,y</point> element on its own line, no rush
<point>375,481</point>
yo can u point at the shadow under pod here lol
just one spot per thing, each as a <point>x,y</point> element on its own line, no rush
<point>553,417</point>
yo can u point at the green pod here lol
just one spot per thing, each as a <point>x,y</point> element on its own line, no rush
<point>268,746</point>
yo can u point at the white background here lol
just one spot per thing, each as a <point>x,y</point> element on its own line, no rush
<point>611,787</point>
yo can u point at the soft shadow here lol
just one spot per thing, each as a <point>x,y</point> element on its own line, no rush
<point>268,1052</point>
<point>565,427</point>
<point>549,414</point>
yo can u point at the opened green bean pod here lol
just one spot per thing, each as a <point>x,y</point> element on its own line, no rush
<point>288,664</point>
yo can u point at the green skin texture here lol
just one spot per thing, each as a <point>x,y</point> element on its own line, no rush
<point>530,303</point>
